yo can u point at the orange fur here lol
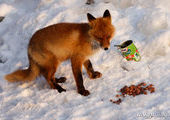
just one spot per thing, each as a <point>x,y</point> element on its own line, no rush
<point>54,44</point>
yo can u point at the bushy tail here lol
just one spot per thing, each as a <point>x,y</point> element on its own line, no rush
<point>24,75</point>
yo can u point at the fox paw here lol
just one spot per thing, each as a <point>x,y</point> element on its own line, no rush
<point>60,80</point>
<point>58,87</point>
<point>84,92</point>
<point>96,75</point>
<point>61,90</point>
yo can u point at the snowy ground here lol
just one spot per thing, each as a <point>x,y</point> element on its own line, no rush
<point>147,22</point>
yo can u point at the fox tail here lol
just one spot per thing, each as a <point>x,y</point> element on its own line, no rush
<point>24,75</point>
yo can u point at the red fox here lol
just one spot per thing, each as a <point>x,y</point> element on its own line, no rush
<point>54,44</point>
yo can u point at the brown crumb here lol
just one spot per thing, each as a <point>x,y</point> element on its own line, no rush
<point>134,90</point>
<point>118,95</point>
<point>117,101</point>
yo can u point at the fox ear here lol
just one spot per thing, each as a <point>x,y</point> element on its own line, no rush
<point>106,14</point>
<point>90,17</point>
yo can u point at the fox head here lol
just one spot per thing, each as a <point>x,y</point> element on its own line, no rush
<point>102,29</point>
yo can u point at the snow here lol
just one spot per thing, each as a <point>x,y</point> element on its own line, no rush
<point>147,23</point>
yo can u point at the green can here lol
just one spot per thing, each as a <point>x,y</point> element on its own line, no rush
<point>129,51</point>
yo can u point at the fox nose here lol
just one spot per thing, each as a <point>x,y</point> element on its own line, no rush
<point>106,48</point>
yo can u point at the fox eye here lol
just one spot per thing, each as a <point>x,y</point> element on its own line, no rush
<point>99,38</point>
<point>108,37</point>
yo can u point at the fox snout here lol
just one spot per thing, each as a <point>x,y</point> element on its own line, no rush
<point>105,44</point>
<point>106,48</point>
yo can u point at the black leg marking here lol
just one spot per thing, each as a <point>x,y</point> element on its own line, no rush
<point>60,80</point>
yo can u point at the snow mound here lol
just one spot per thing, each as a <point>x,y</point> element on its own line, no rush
<point>158,44</point>
<point>153,22</point>
<point>5,9</point>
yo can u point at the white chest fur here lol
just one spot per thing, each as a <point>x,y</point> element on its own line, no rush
<point>95,45</point>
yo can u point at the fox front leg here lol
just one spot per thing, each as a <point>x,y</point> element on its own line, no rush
<point>77,71</point>
<point>90,71</point>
